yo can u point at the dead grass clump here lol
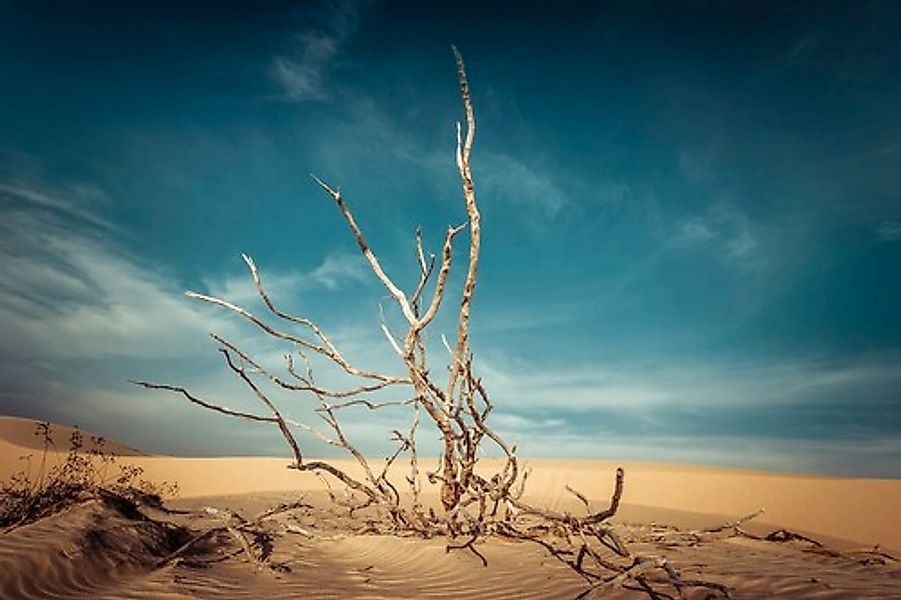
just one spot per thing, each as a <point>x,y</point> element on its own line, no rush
<point>88,471</point>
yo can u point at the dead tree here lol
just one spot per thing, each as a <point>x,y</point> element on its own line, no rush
<point>476,504</point>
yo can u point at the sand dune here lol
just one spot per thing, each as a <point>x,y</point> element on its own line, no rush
<point>96,551</point>
<point>91,552</point>
<point>21,432</point>
<point>856,511</point>
<point>81,552</point>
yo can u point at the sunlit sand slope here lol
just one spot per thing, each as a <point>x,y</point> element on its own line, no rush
<point>95,550</point>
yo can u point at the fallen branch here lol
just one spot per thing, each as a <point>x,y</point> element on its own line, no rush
<point>468,545</point>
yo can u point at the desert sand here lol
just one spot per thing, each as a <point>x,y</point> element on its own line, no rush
<point>92,550</point>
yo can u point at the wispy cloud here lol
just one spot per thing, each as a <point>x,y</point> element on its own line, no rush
<point>727,233</point>
<point>694,230</point>
<point>302,71</point>
<point>803,48</point>
<point>340,268</point>
<point>68,288</point>
<point>804,415</point>
<point>889,231</point>
<point>853,456</point>
<point>75,200</point>
<point>700,164</point>
<point>531,188</point>
<point>337,270</point>
<point>521,183</point>
<point>80,315</point>
<point>366,124</point>
<point>71,295</point>
<point>643,386</point>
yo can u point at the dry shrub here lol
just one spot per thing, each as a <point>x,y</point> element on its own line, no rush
<point>87,471</point>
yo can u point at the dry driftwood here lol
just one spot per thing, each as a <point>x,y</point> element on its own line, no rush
<point>248,533</point>
<point>475,504</point>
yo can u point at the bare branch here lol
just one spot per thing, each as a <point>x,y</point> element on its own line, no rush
<point>476,503</point>
<point>640,567</point>
<point>468,544</point>
<point>337,474</point>
<point>395,291</point>
<point>443,271</point>
<point>737,523</point>
<point>614,500</point>
<point>208,405</point>
<point>367,404</point>
<point>580,496</point>
<point>321,391</point>
<point>388,334</point>
<point>413,478</point>
<point>306,386</point>
<point>464,149</point>
<point>446,345</point>
<point>283,427</point>
<point>590,519</point>
<point>333,352</point>
<point>325,351</point>
<point>425,271</point>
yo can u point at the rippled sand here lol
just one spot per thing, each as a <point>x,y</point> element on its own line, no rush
<point>94,550</point>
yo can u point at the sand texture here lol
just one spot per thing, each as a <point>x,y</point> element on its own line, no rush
<point>99,549</point>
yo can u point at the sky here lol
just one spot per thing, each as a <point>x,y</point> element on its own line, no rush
<point>691,216</point>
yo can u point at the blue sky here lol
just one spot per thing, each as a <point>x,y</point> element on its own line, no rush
<point>692,214</point>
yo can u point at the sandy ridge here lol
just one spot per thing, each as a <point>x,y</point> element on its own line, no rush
<point>93,551</point>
